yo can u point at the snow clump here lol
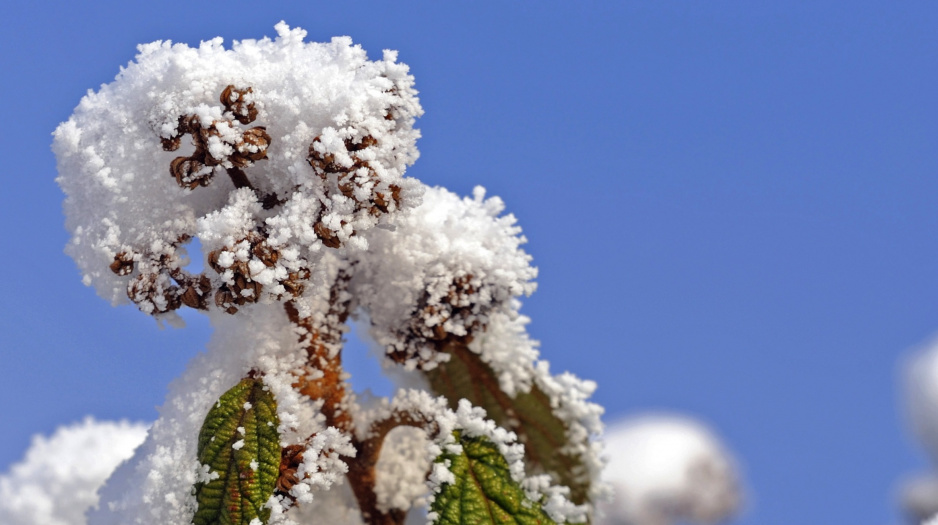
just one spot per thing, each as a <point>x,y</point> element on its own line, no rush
<point>918,496</point>
<point>666,470</point>
<point>58,479</point>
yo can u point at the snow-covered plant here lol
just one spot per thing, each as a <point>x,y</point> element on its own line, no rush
<point>285,161</point>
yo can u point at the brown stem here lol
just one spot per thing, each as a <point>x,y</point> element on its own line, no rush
<point>322,380</point>
<point>239,178</point>
<point>361,468</point>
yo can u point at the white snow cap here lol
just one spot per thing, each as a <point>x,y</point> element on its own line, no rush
<point>58,480</point>
<point>444,271</point>
<point>919,498</point>
<point>921,377</point>
<point>666,469</point>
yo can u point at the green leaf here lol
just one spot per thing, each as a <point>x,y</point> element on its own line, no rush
<point>239,442</point>
<point>528,414</point>
<point>483,492</point>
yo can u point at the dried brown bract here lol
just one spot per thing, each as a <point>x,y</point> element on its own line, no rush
<point>429,325</point>
<point>154,292</point>
<point>123,264</point>
<point>196,291</point>
<point>240,103</point>
<point>291,457</point>
<point>240,286</point>
<point>327,235</point>
<point>220,144</point>
<point>358,182</point>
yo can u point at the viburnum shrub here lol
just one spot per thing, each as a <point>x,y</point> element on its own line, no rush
<point>285,160</point>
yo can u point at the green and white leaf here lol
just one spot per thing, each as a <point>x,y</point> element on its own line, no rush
<point>239,442</point>
<point>528,414</point>
<point>483,491</point>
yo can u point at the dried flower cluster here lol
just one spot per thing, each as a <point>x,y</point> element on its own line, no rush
<point>219,144</point>
<point>247,265</point>
<point>161,285</point>
<point>358,182</point>
<point>444,316</point>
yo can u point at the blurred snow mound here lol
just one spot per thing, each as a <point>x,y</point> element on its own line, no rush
<point>666,469</point>
<point>919,499</point>
<point>58,479</point>
<point>919,495</point>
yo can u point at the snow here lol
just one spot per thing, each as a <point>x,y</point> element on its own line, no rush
<point>922,395</point>
<point>155,486</point>
<point>402,470</point>
<point>919,495</point>
<point>667,469</point>
<point>58,479</point>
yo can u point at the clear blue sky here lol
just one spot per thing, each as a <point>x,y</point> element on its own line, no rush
<point>732,205</point>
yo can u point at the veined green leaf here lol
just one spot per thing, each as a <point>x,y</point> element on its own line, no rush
<point>483,492</point>
<point>528,414</point>
<point>240,443</point>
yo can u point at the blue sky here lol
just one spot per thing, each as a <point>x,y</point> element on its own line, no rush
<point>732,206</point>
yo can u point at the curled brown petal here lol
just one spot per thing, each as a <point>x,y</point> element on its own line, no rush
<point>123,264</point>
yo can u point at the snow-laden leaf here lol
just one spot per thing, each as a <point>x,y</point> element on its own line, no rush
<point>528,414</point>
<point>483,492</point>
<point>239,442</point>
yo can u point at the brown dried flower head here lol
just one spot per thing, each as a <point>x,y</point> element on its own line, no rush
<point>220,143</point>
<point>428,327</point>
<point>358,182</point>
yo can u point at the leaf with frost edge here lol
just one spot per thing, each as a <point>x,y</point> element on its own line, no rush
<point>246,475</point>
<point>482,491</point>
<point>528,414</point>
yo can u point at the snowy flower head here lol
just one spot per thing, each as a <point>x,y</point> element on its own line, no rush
<point>269,152</point>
